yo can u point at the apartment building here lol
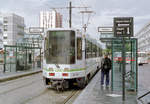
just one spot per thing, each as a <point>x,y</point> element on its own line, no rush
<point>50,19</point>
<point>144,38</point>
<point>13,28</point>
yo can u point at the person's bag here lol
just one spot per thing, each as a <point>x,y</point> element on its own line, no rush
<point>106,64</point>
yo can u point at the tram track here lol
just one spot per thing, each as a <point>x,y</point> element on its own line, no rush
<point>33,97</point>
<point>65,101</point>
<point>22,85</point>
<point>18,80</point>
<point>16,88</point>
<point>74,93</point>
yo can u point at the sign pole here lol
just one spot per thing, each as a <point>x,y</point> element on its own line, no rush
<point>123,69</point>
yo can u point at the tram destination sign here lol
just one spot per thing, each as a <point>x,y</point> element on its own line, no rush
<point>123,26</point>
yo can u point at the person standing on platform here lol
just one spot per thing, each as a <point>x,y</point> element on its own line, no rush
<point>105,69</point>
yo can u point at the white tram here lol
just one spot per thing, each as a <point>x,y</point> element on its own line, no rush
<point>69,58</point>
<point>143,58</point>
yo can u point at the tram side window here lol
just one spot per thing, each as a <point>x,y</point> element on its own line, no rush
<point>100,52</point>
<point>88,49</point>
<point>97,53</point>
<point>94,48</point>
<point>46,50</point>
<point>72,48</point>
<point>85,49</point>
<point>79,48</point>
<point>92,52</point>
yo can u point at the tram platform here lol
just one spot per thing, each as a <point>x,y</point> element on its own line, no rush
<point>94,93</point>
<point>13,75</point>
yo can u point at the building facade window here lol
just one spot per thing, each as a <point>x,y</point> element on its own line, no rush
<point>5,29</point>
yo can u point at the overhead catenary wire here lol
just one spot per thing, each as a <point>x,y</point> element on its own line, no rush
<point>70,7</point>
<point>70,11</point>
<point>89,14</point>
<point>86,11</point>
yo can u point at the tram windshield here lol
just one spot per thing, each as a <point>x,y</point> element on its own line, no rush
<point>60,47</point>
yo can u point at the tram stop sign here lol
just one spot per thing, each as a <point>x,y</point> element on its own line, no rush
<point>123,27</point>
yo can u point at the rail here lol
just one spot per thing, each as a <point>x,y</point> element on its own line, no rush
<point>144,95</point>
<point>74,93</point>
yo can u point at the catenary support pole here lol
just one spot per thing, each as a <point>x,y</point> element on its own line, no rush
<point>70,14</point>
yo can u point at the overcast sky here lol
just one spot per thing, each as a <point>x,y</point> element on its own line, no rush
<point>104,10</point>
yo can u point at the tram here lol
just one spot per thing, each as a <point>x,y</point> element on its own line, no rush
<point>70,57</point>
<point>142,58</point>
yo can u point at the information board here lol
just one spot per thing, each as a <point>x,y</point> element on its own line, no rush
<point>123,26</point>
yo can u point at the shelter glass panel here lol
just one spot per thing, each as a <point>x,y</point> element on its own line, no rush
<point>131,64</point>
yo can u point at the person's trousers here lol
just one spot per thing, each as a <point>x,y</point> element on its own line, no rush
<point>103,76</point>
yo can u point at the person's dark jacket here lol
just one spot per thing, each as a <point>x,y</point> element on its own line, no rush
<point>105,64</point>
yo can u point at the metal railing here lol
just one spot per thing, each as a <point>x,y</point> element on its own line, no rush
<point>139,98</point>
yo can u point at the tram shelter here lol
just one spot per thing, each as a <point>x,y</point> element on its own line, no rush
<point>124,74</point>
<point>131,69</point>
<point>21,57</point>
<point>24,55</point>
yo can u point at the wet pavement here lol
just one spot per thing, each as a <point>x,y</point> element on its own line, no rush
<point>27,87</point>
<point>31,90</point>
<point>94,93</point>
<point>144,83</point>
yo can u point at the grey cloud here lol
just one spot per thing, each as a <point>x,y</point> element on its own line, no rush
<point>29,9</point>
<point>105,10</point>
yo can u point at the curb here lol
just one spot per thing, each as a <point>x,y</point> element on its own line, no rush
<point>19,75</point>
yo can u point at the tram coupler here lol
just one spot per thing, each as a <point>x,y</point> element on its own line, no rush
<point>60,84</point>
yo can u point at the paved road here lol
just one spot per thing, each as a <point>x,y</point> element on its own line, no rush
<point>144,76</point>
<point>30,90</point>
<point>144,85</point>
